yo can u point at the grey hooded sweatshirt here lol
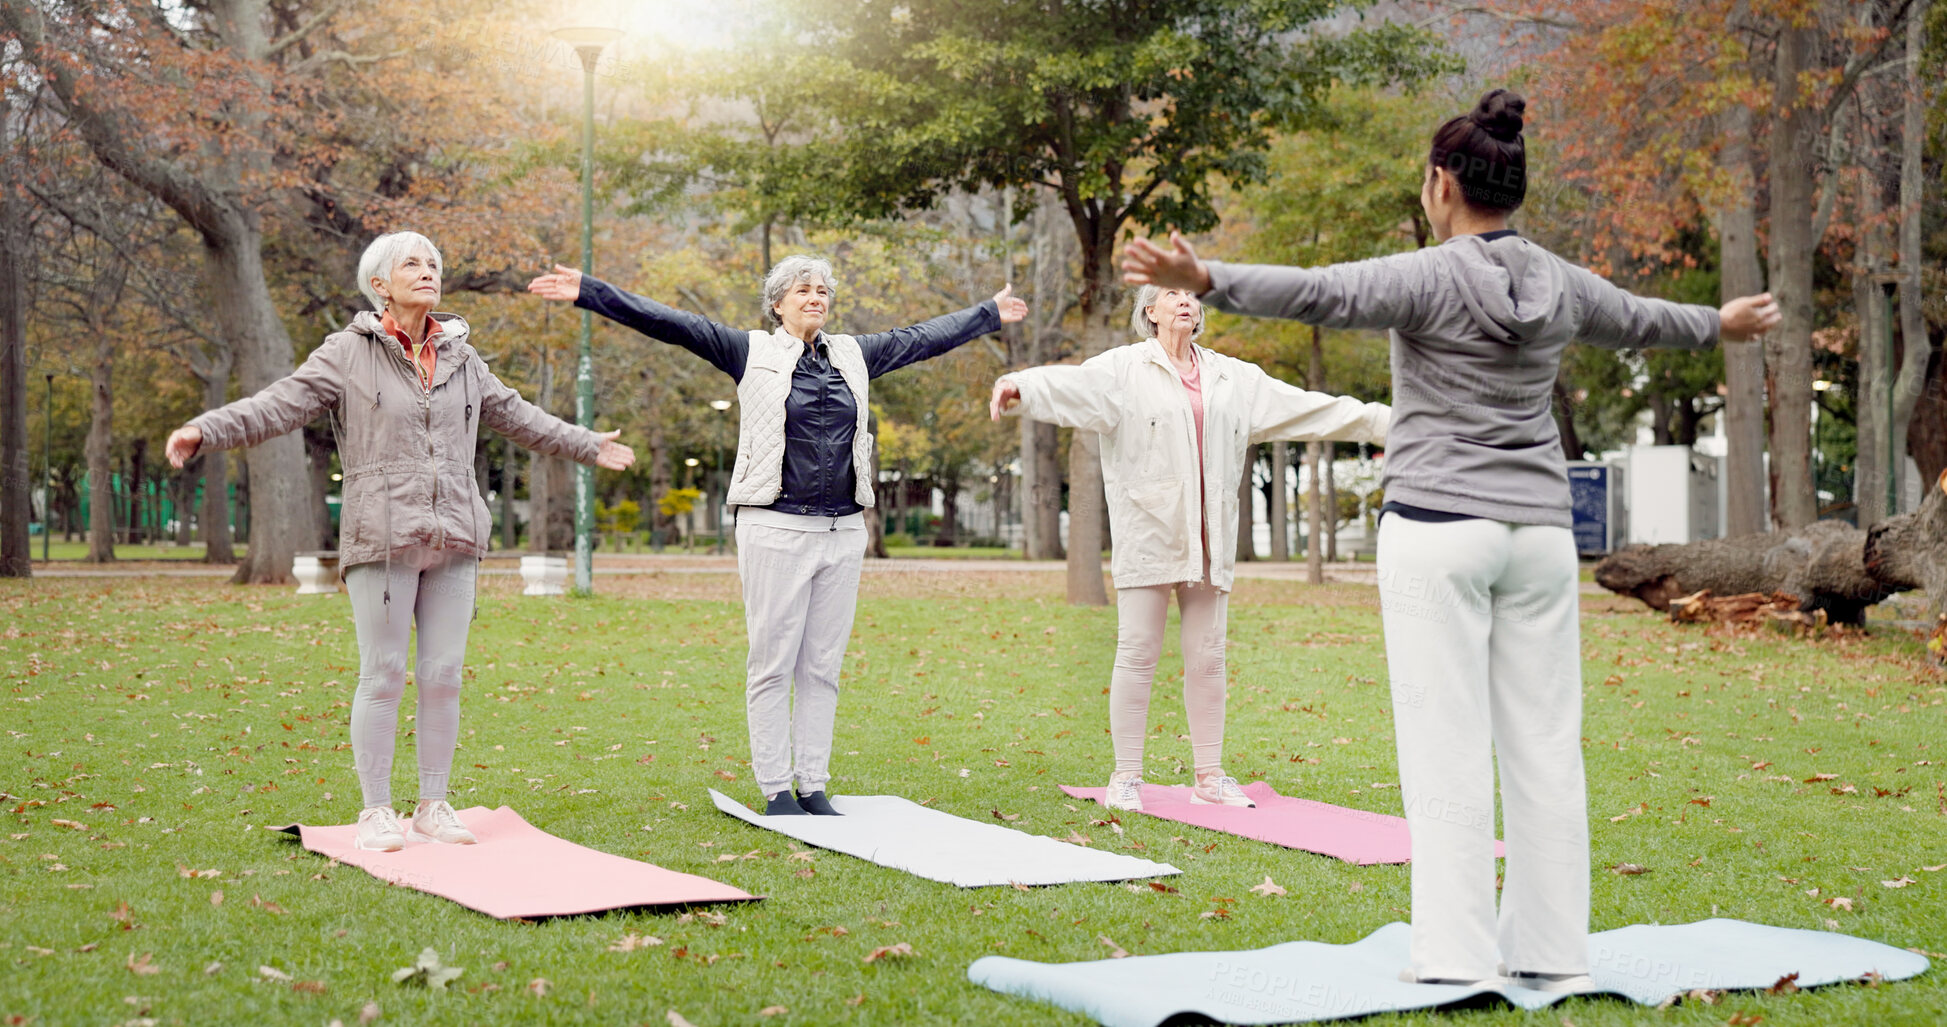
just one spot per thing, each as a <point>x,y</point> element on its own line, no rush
<point>1478,327</point>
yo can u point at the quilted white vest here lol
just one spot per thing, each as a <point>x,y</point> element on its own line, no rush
<point>758,476</point>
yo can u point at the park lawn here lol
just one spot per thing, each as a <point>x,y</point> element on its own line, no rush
<point>59,551</point>
<point>154,727</point>
<point>953,552</point>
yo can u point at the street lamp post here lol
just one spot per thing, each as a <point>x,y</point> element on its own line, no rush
<point>721,406</point>
<point>588,42</point>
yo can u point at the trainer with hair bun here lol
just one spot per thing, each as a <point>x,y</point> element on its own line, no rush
<point>800,487</point>
<point>407,396</point>
<point>1477,569</point>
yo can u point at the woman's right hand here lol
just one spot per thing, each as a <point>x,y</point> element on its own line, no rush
<point>1748,317</point>
<point>564,285</point>
<point>1006,394</point>
<point>182,445</point>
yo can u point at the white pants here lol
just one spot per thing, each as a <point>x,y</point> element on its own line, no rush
<point>1141,616</point>
<point>1484,651</point>
<point>801,589</point>
<point>433,590</point>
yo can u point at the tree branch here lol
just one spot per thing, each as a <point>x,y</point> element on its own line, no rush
<point>298,34</point>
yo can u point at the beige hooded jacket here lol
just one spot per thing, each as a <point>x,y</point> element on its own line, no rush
<point>407,450</point>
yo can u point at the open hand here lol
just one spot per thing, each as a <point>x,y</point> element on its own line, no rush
<point>613,455</point>
<point>1145,263</point>
<point>1006,395</point>
<point>1013,308</point>
<point>564,285</point>
<point>1748,317</point>
<point>183,444</point>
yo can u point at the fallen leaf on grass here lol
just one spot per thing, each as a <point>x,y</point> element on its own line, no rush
<point>268,907</point>
<point>1744,1020</point>
<point>1899,882</point>
<point>427,971</point>
<point>1077,838</point>
<point>1815,778</point>
<point>123,915</point>
<point>309,987</point>
<point>1784,985</point>
<point>856,1000</point>
<point>369,1013</point>
<point>1936,869</point>
<point>633,941</point>
<point>772,1011</point>
<point>538,986</point>
<point>1840,902</point>
<point>676,1020</point>
<point>141,966</point>
<point>1629,869</point>
<point>1268,888</point>
<point>1164,888</point>
<point>1115,951</point>
<point>72,825</point>
<point>899,951</point>
<point>216,897</point>
<point>271,973</point>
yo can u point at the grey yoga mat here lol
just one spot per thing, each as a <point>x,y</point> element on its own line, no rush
<point>897,833</point>
<point>1308,981</point>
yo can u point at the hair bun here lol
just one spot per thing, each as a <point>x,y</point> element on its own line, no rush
<point>1499,114</point>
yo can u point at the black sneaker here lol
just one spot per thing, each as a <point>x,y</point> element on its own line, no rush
<point>816,804</point>
<point>783,805</point>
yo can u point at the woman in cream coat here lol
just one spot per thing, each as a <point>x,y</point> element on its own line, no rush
<point>1176,421</point>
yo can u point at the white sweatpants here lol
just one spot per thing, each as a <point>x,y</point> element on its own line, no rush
<point>801,590</point>
<point>1483,648</point>
<point>1141,616</point>
<point>433,590</point>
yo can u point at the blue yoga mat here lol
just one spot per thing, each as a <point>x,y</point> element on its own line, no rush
<point>1308,981</point>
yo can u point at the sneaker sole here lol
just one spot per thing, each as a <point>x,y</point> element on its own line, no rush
<point>359,844</point>
<point>1198,800</point>
<point>416,836</point>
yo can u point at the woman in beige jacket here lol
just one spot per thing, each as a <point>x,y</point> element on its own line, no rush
<point>407,396</point>
<point>1176,421</point>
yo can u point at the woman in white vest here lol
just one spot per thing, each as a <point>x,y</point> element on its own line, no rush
<point>801,484</point>
<point>1176,422</point>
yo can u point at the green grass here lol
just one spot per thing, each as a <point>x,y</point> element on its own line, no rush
<point>954,552</point>
<point>123,551</point>
<point>173,720</point>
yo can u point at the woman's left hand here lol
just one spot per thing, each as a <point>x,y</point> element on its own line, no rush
<point>1013,308</point>
<point>614,455</point>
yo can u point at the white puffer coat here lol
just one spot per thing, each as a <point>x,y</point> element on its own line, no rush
<point>1132,397</point>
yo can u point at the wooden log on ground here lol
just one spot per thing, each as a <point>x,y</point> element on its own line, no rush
<point>1910,551</point>
<point>1820,565</point>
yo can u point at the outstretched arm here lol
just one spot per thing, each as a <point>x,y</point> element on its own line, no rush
<point>1386,292</point>
<point>1616,319</point>
<point>1286,413</point>
<point>886,352</point>
<point>284,405</point>
<point>724,347</point>
<point>1074,396</point>
<point>530,427</point>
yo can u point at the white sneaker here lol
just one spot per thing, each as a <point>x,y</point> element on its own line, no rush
<point>1554,984</point>
<point>1216,788</point>
<point>1125,791</point>
<point>1407,976</point>
<point>379,830</point>
<point>435,821</point>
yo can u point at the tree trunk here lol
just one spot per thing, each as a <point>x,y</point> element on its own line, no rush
<point>1870,405</point>
<point>138,492</point>
<point>1280,511</point>
<point>1101,289</point>
<point>215,470</point>
<point>16,475</point>
<point>510,469</point>
<point>1744,371</point>
<point>1795,147</point>
<point>101,466</point>
<point>1246,545</point>
<point>1918,348</point>
<point>1314,517</point>
<point>1331,522</point>
<point>1564,411</point>
<point>1821,564</point>
<point>1910,550</point>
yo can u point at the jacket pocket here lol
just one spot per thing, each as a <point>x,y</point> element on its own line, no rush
<point>1153,525</point>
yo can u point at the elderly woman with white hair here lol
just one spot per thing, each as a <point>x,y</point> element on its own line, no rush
<point>800,486</point>
<point>1176,421</point>
<point>407,395</point>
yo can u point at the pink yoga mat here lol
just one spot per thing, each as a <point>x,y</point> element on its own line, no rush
<point>1353,835</point>
<point>518,870</point>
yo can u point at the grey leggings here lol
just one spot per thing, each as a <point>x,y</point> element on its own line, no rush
<point>435,591</point>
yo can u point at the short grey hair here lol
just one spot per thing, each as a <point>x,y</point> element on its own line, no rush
<point>789,272</point>
<point>1139,317</point>
<point>385,255</point>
